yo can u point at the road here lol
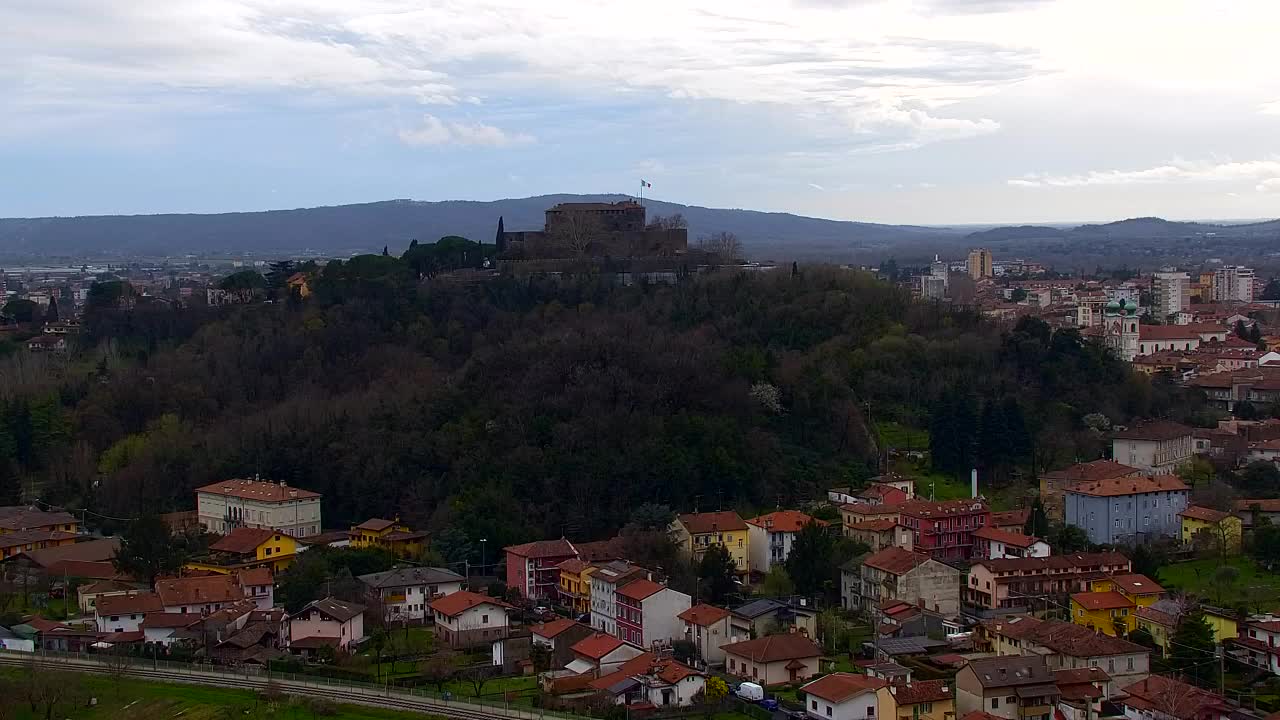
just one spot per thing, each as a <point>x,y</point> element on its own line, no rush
<point>391,699</point>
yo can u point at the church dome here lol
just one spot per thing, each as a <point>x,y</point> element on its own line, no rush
<point>1113,306</point>
<point>1131,308</point>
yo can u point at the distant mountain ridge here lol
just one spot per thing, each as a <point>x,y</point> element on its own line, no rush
<point>1136,228</point>
<point>393,223</point>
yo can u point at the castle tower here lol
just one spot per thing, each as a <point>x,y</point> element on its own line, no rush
<point>1120,323</point>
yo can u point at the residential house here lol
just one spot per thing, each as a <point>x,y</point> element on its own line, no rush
<point>259,585</point>
<point>389,535</point>
<point>1111,604</point>
<point>1211,528</point>
<point>1264,508</point>
<point>843,696</point>
<point>1013,688</point>
<point>647,613</point>
<point>694,533</point>
<point>125,613</point>
<point>899,619</point>
<point>1160,621</point>
<point>1156,448</point>
<point>769,616</point>
<point>606,579</point>
<point>774,659</point>
<point>405,594</point>
<point>897,574</point>
<point>880,534</point>
<point>227,505</point>
<point>14,518</point>
<point>945,529</point>
<point>1053,485</point>
<point>992,543</point>
<point>19,541</point>
<point>246,547</point>
<point>919,700</point>
<point>769,537</point>
<point>199,595</point>
<point>1127,509</point>
<point>854,514</point>
<point>168,628</point>
<point>575,585</point>
<point>57,637</point>
<point>1192,336</point>
<point>646,681</point>
<point>326,623</point>
<point>532,567</point>
<point>1065,646</point>
<point>1011,520</point>
<point>1163,698</point>
<point>88,593</point>
<point>600,655</point>
<point>902,483</point>
<point>559,636</point>
<point>882,494</point>
<point>1081,691</point>
<point>47,343</point>
<point>465,619</point>
<point>1018,583</point>
<point>707,627</point>
<point>1258,643</point>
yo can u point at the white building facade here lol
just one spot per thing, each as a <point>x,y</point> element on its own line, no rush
<point>224,506</point>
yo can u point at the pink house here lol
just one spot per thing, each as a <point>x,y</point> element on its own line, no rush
<point>531,567</point>
<point>329,622</point>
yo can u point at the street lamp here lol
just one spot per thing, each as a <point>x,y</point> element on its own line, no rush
<point>483,542</point>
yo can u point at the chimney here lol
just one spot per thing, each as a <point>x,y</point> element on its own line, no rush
<point>973,482</point>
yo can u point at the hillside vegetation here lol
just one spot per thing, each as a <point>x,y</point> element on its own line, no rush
<point>518,409</point>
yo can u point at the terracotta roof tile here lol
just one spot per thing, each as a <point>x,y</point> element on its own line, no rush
<point>463,600</point>
<point>255,577</point>
<point>1116,487</point>
<point>132,604</point>
<point>199,590</point>
<point>1204,514</point>
<point>709,522</point>
<point>1093,470</point>
<point>259,490</point>
<point>1102,600</point>
<point>783,521</point>
<point>1010,517</point>
<point>243,540</point>
<point>882,525</point>
<point>1004,536</point>
<point>1157,430</point>
<point>922,691</point>
<point>703,615</point>
<point>838,687</point>
<point>775,648</point>
<point>942,508</point>
<point>553,628</point>
<point>1137,584</point>
<point>375,525</point>
<point>597,646</point>
<point>639,589</point>
<point>544,549</point>
<point>895,560</point>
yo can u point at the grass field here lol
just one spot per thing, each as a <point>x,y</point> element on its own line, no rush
<point>129,699</point>
<point>1253,586</point>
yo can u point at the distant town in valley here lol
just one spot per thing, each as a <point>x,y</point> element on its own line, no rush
<point>597,462</point>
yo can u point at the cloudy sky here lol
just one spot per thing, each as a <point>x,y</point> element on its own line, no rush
<point>905,111</point>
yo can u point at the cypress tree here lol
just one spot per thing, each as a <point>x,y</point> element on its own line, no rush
<point>1192,651</point>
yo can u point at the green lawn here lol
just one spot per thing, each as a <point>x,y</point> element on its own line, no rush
<point>901,437</point>
<point>1253,586</point>
<point>128,699</point>
<point>496,686</point>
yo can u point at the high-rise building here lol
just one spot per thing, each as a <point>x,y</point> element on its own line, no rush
<point>980,264</point>
<point>1171,292</point>
<point>934,285</point>
<point>1232,283</point>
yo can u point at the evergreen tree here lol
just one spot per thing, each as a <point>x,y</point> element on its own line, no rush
<point>147,550</point>
<point>716,571</point>
<point>1242,331</point>
<point>1255,333</point>
<point>52,315</point>
<point>1146,561</point>
<point>810,562</point>
<point>1192,650</point>
<point>1037,521</point>
<point>993,440</point>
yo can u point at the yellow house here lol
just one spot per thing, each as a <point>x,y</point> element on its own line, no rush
<point>1220,530</point>
<point>19,541</point>
<point>1160,625</point>
<point>246,548</point>
<point>389,535</point>
<point>575,585</point>
<point>22,519</point>
<point>1112,603</point>
<point>919,700</point>
<point>694,533</point>
<point>1224,623</point>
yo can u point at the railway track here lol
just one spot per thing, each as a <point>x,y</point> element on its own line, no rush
<point>393,700</point>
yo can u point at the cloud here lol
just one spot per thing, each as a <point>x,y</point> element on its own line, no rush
<point>818,187</point>
<point>1271,108</point>
<point>1269,185</point>
<point>1178,171</point>
<point>434,131</point>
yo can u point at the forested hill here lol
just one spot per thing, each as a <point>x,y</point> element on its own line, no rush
<point>519,409</point>
<point>345,228</point>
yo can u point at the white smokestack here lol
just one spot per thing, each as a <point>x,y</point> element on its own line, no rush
<point>973,483</point>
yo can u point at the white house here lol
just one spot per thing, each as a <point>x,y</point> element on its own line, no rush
<point>1159,447</point>
<point>707,627</point>
<point>600,654</point>
<point>774,659</point>
<point>125,613</point>
<point>605,581</point>
<point>992,544</point>
<point>465,619</point>
<point>406,593</point>
<point>647,613</point>
<point>199,595</point>
<point>843,696</point>
<point>258,585</point>
<point>223,506</point>
<point>769,537</point>
<point>330,622</point>
<point>89,593</point>
<point>162,627</point>
<point>1260,642</point>
<point>646,679</point>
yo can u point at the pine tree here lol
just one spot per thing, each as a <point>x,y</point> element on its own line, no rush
<point>1192,651</point>
<point>1037,521</point>
<point>52,315</point>
<point>1242,331</point>
<point>810,562</point>
<point>716,571</point>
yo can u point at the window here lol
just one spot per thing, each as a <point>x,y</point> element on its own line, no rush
<point>484,619</point>
<point>926,707</point>
<point>828,711</point>
<point>995,703</point>
<point>1129,664</point>
<point>813,704</point>
<point>1111,665</point>
<point>116,618</point>
<point>871,711</point>
<point>1011,700</point>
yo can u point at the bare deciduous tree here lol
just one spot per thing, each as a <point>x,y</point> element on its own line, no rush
<point>668,222</point>
<point>47,691</point>
<point>725,246</point>
<point>574,231</point>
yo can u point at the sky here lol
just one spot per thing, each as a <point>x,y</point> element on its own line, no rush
<point>900,111</point>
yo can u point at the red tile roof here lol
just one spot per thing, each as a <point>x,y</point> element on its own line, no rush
<point>1004,536</point>
<point>243,540</point>
<point>942,508</point>
<point>1204,514</point>
<point>1172,698</point>
<point>882,525</point>
<point>455,603</point>
<point>862,508</point>
<point>703,615</point>
<point>199,590</point>
<point>1137,584</point>
<point>169,620</point>
<point>1129,486</point>
<point>544,549</point>
<point>553,628</point>
<point>255,577</point>
<point>1062,637</point>
<point>1157,430</point>
<point>774,648</point>
<point>838,687</point>
<point>132,604</point>
<point>259,490</point>
<point>979,715</point>
<point>639,589</point>
<point>784,521</point>
<point>922,691</point>
<point>1010,518</point>
<point>1093,470</point>
<point>573,566</point>
<point>1102,600</point>
<point>597,646</point>
<point>895,560</point>
<point>709,522</point>
<point>375,525</point>
<point>1271,505</point>
<point>86,569</point>
<point>1157,616</point>
<point>1191,331</point>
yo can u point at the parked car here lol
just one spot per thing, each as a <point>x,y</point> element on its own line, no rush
<point>769,704</point>
<point>750,692</point>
